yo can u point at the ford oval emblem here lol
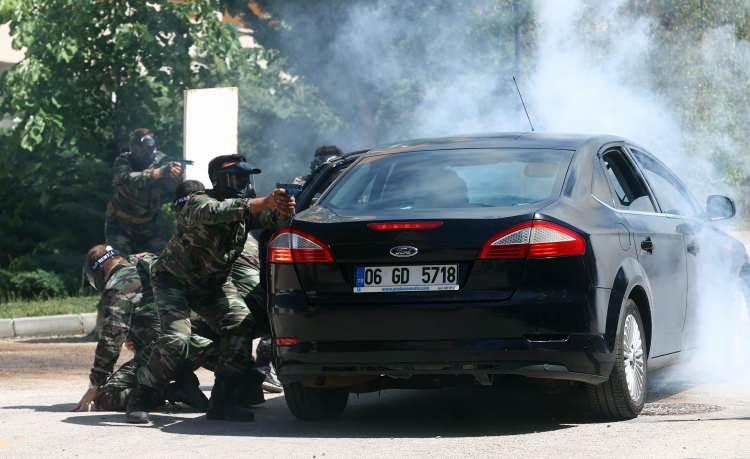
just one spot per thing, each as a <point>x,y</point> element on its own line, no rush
<point>403,251</point>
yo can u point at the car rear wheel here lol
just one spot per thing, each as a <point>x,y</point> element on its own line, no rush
<point>624,393</point>
<point>312,404</point>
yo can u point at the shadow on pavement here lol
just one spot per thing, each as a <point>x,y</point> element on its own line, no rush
<point>513,407</point>
<point>473,411</point>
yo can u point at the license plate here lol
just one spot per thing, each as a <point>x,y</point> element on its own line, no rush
<point>422,278</point>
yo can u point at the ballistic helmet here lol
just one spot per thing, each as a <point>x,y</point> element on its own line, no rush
<point>230,176</point>
<point>92,265</point>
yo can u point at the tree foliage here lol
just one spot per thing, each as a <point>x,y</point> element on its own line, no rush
<point>92,72</point>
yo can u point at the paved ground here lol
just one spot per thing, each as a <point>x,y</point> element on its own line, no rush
<point>41,380</point>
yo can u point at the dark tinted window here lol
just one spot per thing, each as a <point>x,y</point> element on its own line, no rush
<point>630,192</point>
<point>670,193</point>
<point>450,179</point>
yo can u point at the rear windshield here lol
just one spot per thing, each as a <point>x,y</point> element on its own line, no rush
<point>444,179</point>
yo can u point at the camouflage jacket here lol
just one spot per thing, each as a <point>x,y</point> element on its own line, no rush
<point>138,195</point>
<point>209,237</point>
<point>128,312</point>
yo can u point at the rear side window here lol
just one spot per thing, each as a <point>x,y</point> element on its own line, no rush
<point>443,179</point>
<point>630,192</point>
<point>671,194</point>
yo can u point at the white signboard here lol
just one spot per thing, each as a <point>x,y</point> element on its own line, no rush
<point>210,128</point>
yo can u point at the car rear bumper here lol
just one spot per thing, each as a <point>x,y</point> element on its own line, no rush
<point>543,334</point>
<point>583,358</point>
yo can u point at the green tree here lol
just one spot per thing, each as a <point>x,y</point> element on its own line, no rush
<point>700,61</point>
<point>92,72</point>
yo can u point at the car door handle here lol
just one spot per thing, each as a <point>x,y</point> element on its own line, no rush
<point>647,245</point>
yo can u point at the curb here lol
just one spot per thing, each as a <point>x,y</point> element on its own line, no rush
<point>66,324</point>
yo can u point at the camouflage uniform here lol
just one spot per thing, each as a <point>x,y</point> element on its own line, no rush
<point>129,312</point>
<point>193,273</point>
<point>131,223</point>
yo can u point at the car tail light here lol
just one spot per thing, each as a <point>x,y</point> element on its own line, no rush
<point>392,226</point>
<point>286,341</point>
<point>534,239</point>
<point>293,246</point>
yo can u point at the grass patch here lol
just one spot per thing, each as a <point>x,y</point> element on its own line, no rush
<point>34,308</point>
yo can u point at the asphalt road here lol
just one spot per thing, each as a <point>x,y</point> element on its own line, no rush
<point>41,380</point>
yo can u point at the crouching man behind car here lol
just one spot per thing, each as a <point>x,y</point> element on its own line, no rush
<point>129,313</point>
<point>193,273</point>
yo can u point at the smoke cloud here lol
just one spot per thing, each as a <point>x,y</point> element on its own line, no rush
<point>585,66</point>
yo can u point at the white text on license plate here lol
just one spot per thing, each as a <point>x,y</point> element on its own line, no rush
<point>422,278</point>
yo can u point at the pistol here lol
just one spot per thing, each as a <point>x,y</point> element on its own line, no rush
<point>186,162</point>
<point>292,189</point>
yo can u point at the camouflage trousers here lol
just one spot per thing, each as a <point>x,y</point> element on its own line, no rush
<point>129,238</point>
<point>247,280</point>
<point>113,395</point>
<point>224,313</point>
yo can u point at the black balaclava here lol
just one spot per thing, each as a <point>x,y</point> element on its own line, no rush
<point>233,181</point>
<point>323,154</point>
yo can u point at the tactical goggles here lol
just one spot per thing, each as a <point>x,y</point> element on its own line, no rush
<point>146,141</point>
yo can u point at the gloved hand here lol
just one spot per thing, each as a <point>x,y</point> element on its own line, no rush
<point>278,200</point>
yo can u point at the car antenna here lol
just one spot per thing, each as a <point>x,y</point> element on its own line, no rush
<point>523,103</point>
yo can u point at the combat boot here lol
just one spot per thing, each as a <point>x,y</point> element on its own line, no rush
<point>140,401</point>
<point>186,389</point>
<point>222,405</point>
<point>249,390</point>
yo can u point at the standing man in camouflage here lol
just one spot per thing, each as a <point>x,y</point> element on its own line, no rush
<point>142,176</point>
<point>193,273</point>
<point>129,314</point>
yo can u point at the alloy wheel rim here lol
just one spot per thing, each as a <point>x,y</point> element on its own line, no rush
<point>635,365</point>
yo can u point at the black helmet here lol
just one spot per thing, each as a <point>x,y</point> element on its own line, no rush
<point>92,265</point>
<point>231,176</point>
<point>142,147</point>
<point>323,154</point>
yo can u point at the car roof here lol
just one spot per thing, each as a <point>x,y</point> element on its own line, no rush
<point>496,140</point>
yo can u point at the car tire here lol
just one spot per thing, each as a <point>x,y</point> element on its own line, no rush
<point>314,404</point>
<point>623,395</point>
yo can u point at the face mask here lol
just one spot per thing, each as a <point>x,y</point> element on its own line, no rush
<point>235,185</point>
<point>143,151</point>
<point>236,181</point>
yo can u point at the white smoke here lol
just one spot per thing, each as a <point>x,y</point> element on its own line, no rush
<point>590,73</point>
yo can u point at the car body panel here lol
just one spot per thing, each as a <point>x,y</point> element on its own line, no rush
<point>550,318</point>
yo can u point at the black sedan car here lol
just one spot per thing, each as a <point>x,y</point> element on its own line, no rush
<point>441,261</point>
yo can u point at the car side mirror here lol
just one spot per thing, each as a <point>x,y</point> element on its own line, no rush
<point>719,207</point>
